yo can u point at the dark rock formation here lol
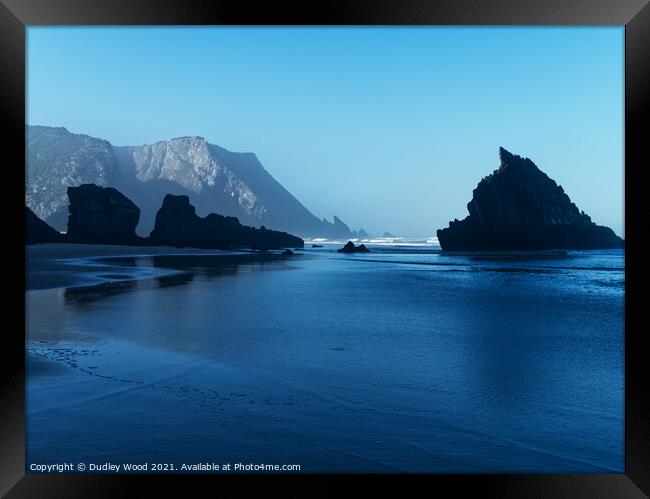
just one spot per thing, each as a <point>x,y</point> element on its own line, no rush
<point>316,245</point>
<point>351,248</point>
<point>288,253</point>
<point>101,215</point>
<point>518,207</point>
<point>177,224</point>
<point>37,231</point>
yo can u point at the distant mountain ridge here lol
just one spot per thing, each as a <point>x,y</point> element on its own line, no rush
<point>214,179</point>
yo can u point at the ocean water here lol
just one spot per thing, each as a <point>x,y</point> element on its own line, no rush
<point>401,360</point>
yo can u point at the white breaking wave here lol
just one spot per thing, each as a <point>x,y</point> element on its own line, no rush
<point>381,241</point>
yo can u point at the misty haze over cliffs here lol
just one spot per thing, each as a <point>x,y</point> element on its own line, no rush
<point>215,179</point>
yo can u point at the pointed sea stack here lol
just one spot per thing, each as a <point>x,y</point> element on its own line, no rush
<point>518,207</point>
<point>177,224</point>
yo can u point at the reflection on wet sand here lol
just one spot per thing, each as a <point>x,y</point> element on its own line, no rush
<point>87,294</point>
<point>171,280</point>
<point>185,268</point>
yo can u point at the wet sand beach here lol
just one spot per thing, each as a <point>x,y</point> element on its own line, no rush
<point>405,359</point>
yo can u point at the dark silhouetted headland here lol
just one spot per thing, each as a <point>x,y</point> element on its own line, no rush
<point>103,215</point>
<point>518,207</point>
<point>37,231</point>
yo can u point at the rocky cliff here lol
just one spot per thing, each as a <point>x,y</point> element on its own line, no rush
<point>177,224</point>
<point>518,207</point>
<point>214,179</point>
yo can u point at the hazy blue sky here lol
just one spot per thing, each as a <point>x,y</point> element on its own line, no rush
<point>389,128</point>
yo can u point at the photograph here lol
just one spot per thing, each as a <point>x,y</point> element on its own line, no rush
<point>325,249</point>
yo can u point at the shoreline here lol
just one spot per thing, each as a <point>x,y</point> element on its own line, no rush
<point>66,265</point>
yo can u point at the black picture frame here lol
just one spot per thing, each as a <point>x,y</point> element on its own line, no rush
<point>15,15</point>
